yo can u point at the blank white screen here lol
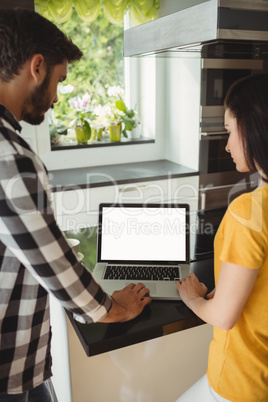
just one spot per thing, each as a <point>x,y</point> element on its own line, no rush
<point>143,234</point>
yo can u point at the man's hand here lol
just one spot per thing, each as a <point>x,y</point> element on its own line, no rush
<point>128,303</point>
<point>211,294</point>
<point>190,288</point>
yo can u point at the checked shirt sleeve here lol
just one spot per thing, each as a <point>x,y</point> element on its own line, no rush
<point>29,230</point>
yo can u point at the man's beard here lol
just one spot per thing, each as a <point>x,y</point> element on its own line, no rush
<point>39,101</point>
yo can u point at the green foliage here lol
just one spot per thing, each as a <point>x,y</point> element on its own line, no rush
<point>81,119</point>
<point>120,105</point>
<point>102,64</point>
<point>58,129</point>
<point>128,116</point>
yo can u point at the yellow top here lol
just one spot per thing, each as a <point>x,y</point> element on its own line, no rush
<point>238,358</point>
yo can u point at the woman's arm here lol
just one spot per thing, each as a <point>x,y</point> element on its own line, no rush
<point>224,309</point>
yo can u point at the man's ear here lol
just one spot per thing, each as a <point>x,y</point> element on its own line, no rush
<point>38,68</point>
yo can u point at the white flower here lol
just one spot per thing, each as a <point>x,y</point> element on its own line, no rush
<point>85,100</point>
<point>79,103</point>
<point>102,111</point>
<point>72,103</point>
<point>65,89</point>
<point>116,91</point>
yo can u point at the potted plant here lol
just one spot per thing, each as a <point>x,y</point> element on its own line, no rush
<point>82,128</point>
<point>115,130</point>
<point>123,121</point>
<point>100,122</point>
<point>56,132</point>
<point>115,124</point>
<point>82,117</point>
<point>129,117</point>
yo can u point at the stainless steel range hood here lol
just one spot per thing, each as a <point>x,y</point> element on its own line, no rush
<point>210,21</point>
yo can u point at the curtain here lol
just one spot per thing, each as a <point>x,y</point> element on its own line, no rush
<point>140,11</point>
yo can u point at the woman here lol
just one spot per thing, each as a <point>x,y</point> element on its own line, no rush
<point>238,306</point>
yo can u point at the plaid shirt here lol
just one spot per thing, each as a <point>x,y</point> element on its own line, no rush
<point>34,259</point>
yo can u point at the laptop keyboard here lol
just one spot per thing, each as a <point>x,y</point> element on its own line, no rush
<point>142,273</point>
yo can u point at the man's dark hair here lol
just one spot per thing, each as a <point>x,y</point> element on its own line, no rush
<point>24,33</point>
<point>247,100</point>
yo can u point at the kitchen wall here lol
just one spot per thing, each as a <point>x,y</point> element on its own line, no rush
<point>183,76</point>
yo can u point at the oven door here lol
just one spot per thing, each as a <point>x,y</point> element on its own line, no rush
<point>219,181</point>
<point>213,157</point>
<point>217,76</point>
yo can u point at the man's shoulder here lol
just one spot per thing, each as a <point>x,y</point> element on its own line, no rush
<point>14,150</point>
<point>11,143</point>
<point>8,137</point>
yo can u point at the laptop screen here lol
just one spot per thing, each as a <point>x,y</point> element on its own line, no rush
<point>149,233</point>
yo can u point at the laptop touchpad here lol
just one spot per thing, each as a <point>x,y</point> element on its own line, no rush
<point>150,286</point>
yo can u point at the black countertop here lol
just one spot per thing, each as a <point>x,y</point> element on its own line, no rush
<point>158,319</point>
<point>117,174</point>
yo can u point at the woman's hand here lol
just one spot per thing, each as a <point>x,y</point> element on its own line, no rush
<point>190,288</point>
<point>223,305</point>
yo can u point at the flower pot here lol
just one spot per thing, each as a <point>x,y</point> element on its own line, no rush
<point>56,139</point>
<point>135,132</point>
<point>96,133</point>
<point>82,134</point>
<point>115,132</point>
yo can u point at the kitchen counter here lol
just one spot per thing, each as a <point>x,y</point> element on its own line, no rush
<point>117,174</point>
<point>158,319</point>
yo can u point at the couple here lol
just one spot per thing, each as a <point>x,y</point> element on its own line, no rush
<point>35,258</point>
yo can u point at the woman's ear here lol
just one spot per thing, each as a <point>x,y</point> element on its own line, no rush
<point>38,68</point>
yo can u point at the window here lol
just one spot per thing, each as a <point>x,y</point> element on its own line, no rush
<point>122,73</point>
<point>86,92</point>
<point>91,108</point>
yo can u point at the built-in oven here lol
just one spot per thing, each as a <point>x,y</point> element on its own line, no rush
<point>222,64</point>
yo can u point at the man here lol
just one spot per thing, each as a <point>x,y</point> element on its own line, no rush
<point>34,256</point>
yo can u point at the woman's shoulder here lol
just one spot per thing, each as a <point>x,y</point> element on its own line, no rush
<point>242,202</point>
<point>248,208</point>
<point>257,197</point>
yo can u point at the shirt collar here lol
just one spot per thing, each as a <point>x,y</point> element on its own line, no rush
<point>7,115</point>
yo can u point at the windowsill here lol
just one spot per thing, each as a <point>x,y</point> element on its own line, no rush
<point>102,143</point>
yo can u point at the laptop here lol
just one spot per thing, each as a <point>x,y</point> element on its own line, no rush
<point>146,243</point>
